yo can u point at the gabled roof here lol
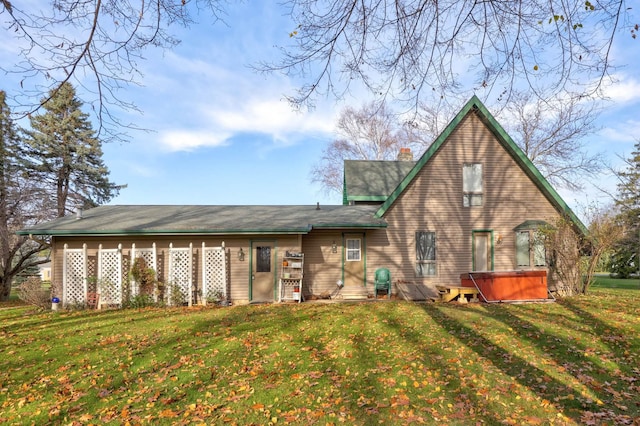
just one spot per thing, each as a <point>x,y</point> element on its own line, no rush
<point>474,106</point>
<point>373,180</point>
<point>209,220</point>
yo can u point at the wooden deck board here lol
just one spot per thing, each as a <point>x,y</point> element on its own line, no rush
<point>449,293</point>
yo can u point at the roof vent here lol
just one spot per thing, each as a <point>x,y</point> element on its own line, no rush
<point>79,214</point>
<point>318,206</point>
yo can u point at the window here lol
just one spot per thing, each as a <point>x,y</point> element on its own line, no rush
<point>522,249</point>
<point>530,249</point>
<point>263,259</point>
<point>425,254</point>
<point>472,185</point>
<point>354,254</point>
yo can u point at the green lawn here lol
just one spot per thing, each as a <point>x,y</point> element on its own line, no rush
<point>607,282</point>
<point>571,362</point>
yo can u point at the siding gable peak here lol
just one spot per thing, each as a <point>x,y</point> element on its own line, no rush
<point>475,106</point>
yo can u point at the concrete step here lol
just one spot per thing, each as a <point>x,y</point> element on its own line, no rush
<point>354,293</point>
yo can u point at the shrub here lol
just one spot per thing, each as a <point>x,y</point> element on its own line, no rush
<point>32,292</point>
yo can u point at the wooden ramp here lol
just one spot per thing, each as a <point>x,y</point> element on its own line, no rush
<point>412,291</point>
<point>450,293</point>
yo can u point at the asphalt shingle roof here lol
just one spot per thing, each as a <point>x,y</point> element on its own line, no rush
<point>374,180</point>
<point>178,219</point>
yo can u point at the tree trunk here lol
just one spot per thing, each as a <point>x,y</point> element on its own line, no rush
<point>5,288</point>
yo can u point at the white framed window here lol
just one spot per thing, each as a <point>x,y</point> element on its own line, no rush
<point>426,254</point>
<point>354,251</point>
<point>472,185</point>
<point>530,249</point>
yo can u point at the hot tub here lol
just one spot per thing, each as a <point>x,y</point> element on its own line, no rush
<point>508,285</point>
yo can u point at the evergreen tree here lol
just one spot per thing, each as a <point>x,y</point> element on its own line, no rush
<point>626,257</point>
<point>63,153</point>
<point>18,207</point>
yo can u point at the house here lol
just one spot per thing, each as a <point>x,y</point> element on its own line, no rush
<point>471,203</point>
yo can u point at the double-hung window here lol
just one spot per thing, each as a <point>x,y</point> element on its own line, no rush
<point>426,254</point>
<point>472,185</point>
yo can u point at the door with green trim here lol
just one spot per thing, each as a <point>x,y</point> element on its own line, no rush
<point>263,272</point>
<point>353,260</point>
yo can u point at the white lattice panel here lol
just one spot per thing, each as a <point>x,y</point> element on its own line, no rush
<point>180,275</point>
<point>214,286</point>
<point>74,285</point>
<point>110,276</point>
<point>149,257</point>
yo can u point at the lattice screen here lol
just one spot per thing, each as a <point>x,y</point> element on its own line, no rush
<point>110,276</point>
<point>74,276</point>
<point>214,286</point>
<point>180,275</point>
<point>149,257</point>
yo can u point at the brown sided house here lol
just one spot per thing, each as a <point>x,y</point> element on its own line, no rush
<point>470,204</point>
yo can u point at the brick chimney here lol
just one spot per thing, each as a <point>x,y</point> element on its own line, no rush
<point>405,154</point>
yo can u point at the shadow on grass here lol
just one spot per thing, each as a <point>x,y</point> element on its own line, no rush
<point>579,380</point>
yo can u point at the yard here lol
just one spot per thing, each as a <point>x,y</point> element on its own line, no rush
<point>575,361</point>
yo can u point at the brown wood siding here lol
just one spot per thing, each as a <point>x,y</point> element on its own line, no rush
<point>433,202</point>
<point>238,271</point>
<point>322,268</point>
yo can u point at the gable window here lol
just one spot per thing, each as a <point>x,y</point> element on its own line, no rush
<point>354,253</point>
<point>426,254</point>
<point>472,185</point>
<point>530,249</point>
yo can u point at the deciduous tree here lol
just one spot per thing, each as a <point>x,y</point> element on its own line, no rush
<point>410,49</point>
<point>372,132</point>
<point>573,254</point>
<point>19,207</point>
<point>400,48</point>
<point>552,133</point>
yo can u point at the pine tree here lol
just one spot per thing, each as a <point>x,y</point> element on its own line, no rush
<point>626,259</point>
<point>63,153</point>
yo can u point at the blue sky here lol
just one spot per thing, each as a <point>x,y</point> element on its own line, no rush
<point>223,134</point>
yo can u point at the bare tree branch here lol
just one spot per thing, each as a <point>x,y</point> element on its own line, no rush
<point>552,134</point>
<point>96,43</point>
<point>408,49</point>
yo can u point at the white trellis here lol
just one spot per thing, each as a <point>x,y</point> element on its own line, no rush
<point>74,275</point>
<point>149,255</point>
<point>110,275</point>
<point>214,273</point>
<point>181,273</point>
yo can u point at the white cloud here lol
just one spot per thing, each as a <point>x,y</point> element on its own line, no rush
<point>625,89</point>
<point>626,131</point>
<point>209,104</point>
<point>185,140</point>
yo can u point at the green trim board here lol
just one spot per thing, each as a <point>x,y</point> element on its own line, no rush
<point>475,106</point>
<point>166,232</point>
<point>529,225</point>
<point>368,197</point>
<point>171,220</point>
<point>363,250</point>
